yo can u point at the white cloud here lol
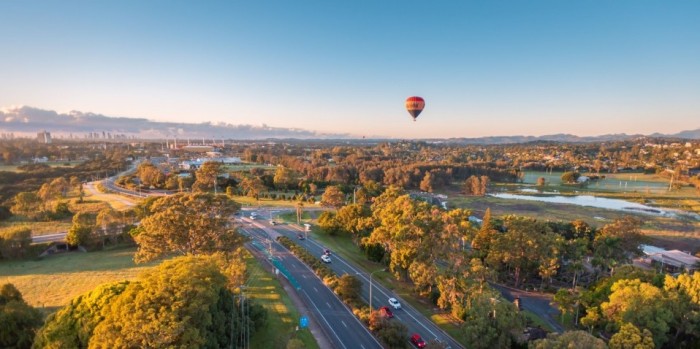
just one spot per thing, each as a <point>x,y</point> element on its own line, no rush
<point>29,119</point>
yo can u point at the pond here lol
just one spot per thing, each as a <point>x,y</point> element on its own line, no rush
<point>611,204</point>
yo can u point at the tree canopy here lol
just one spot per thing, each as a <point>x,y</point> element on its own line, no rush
<point>188,224</point>
<point>18,320</point>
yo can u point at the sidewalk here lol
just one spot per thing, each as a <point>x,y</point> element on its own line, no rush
<point>314,327</point>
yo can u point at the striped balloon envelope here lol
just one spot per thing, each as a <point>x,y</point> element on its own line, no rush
<point>415,105</point>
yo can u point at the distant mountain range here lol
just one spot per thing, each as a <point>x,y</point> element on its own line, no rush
<point>29,120</point>
<point>569,138</point>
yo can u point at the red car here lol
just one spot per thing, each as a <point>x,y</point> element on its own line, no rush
<point>417,341</point>
<point>386,312</point>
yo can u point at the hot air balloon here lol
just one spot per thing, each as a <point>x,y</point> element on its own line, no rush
<point>415,105</point>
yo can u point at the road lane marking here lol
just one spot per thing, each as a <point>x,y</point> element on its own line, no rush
<point>315,289</point>
<point>324,319</point>
<point>329,305</point>
<point>343,322</point>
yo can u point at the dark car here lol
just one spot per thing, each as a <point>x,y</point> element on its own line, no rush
<point>417,341</point>
<point>327,252</point>
<point>301,236</point>
<point>386,312</point>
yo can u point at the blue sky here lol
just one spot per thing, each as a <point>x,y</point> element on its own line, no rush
<point>484,67</point>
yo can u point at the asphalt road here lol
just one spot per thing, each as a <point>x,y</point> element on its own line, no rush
<point>49,238</point>
<point>537,303</point>
<point>409,316</point>
<point>343,329</point>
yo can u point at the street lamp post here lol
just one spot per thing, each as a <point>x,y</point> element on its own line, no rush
<point>370,288</point>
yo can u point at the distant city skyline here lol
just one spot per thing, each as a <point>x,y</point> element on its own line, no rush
<point>484,68</point>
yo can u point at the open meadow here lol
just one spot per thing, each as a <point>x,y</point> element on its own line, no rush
<point>53,281</point>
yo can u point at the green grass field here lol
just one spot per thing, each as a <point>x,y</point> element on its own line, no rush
<point>650,189</point>
<point>282,317</point>
<point>53,281</point>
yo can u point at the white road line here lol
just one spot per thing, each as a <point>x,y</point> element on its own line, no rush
<point>324,319</point>
<point>329,305</point>
<point>315,289</point>
<point>343,322</point>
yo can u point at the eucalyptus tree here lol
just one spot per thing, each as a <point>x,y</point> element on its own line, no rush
<point>185,224</point>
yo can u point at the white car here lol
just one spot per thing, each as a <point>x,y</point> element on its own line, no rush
<point>394,303</point>
<point>326,258</point>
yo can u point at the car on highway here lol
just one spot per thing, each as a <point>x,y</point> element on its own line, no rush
<point>301,236</point>
<point>327,252</point>
<point>417,340</point>
<point>273,222</point>
<point>326,258</point>
<point>386,312</point>
<point>394,303</point>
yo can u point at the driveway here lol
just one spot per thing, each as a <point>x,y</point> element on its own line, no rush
<point>537,303</point>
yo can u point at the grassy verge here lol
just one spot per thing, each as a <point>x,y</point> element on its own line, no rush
<point>291,217</point>
<point>53,281</point>
<point>536,321</point>
<point>248,201</point>
<point>282,318</point>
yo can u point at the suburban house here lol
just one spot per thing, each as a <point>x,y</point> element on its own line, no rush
<point>673,261</point>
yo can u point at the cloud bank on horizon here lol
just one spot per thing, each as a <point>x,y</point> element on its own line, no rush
<point>30,120</point>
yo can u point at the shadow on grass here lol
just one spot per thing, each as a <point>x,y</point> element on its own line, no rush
<point>119,257</point>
